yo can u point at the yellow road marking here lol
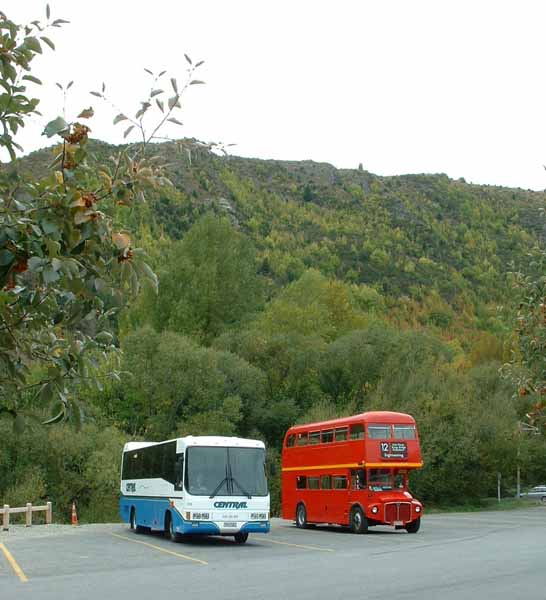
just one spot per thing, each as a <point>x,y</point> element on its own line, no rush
<point>18,571</point>
<point>299,545</point>
<point>197,560</point>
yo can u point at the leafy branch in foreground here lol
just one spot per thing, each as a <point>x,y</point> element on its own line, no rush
<point>67,266</point>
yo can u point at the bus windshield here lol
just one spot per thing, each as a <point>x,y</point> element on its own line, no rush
<point>380,479</point>
<point>220,471</point>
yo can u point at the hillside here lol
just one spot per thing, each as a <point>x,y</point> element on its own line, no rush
<point>295,291</point>
<point>406,236</point>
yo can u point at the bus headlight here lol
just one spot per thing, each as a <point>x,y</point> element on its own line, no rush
<point>375,510</point>
<point>200,516</point>
<point>417,509</point>
<point>258,516</point>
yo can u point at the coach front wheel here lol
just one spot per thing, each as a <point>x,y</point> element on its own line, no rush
<point>240,538</point>
<point>301,516</point>
<point>169,526</point>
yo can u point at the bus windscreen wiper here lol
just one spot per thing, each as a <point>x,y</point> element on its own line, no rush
<point>219,486</point>
<point>233,480</point>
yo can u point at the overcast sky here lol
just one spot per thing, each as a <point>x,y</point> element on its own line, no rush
<point>400,86</point>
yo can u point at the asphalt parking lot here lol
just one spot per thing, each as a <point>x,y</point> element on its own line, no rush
<point>488,555</point>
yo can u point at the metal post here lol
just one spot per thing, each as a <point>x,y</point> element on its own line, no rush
<point>49,514</point>
<point>28,521</point>
<point>518,482</point>
<point>5,520</point>
<point>499,487</point>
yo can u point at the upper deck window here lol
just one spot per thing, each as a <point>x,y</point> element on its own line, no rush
<point>404,432</point>
<point>327,436</point>
<point>357,431</point>
<point>379,432</point>
<point>291,440</point>
<point>302,439</point>
<point>314,438</point>
<point>340,435</point>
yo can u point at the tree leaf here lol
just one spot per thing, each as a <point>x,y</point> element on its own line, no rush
<point>55,127</point>
<point>6,257</point>
<point>33,44</point>
<point>48,42</point>
<point>47,11</point>
<point>55,419</point>
<point>98,94</point>
<point>86,113</point>
<point>19,424</point>
<point>172,102</point>
<point>160,105</point>
<point>188,58</point>
<point>196,82</point>
<point>119,118</point>
<point>121,240</point>
<point>70,84</point>
<point>174,84</point>
<point>128,131</point>
<point>32,78</point>
<point>155,93</point>
<point>176,121</point>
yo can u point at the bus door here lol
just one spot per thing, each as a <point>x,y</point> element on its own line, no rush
<point>358,490</point>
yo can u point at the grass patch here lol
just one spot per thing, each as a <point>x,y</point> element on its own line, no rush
<point>485,504</point>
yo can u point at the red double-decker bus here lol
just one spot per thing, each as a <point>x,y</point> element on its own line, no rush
<point>352,471</point>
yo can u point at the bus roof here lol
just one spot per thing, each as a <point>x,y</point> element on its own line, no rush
<point>201,440</point>
<point>379,416</point>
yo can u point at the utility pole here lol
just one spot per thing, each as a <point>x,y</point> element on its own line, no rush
<point>522,428</point>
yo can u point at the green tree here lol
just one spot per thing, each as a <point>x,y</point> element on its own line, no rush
<point>68,265</point>
<point>209,281</point>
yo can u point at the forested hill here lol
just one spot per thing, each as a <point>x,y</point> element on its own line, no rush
<point>410,236</point>
<point>294,291</point>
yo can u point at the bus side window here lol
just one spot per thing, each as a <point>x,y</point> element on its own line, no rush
<point>357,431</point>
<point>291,440</point>
<point>326,482</point>
<point>314,438</point>
<point>327,436</point>
<point>302,439</point>
<point>179,473</point>
<point>341,434</point>
<point>340,482</point>
<point>313,483</point>
<point>301,482</point>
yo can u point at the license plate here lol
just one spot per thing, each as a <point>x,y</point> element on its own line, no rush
<point>230,524</point>
<point>398,523</point>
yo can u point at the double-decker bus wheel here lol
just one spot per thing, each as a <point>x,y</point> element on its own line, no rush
<point>414,526</point>
<point>359,523</point>
<point>301,516</point>
<point>240,538</point>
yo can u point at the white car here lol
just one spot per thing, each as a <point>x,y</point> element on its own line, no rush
<point>539,491</point>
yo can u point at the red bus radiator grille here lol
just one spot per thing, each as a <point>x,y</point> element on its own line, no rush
<point>397,511</point>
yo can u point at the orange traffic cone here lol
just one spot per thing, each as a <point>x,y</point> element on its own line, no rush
<point>74,519</point>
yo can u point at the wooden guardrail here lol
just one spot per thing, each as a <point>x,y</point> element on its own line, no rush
<point>28,510</point>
